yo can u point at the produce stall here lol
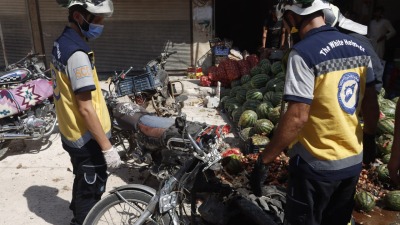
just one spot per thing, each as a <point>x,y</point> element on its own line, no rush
<point>252,100</point>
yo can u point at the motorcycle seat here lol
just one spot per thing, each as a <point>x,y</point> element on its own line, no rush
<point>154,126</point>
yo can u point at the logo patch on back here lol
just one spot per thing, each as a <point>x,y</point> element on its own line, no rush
<point>348,92</point>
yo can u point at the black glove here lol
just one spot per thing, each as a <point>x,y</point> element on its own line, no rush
<point>258,176</point>
<point>369,148</point>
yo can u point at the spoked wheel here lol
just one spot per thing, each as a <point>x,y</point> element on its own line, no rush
<point>114,210</point>
<point>4,148</point>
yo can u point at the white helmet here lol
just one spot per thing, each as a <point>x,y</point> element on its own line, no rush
<point>103,8</point>
<point>333,16</point>
<point>300,7</point>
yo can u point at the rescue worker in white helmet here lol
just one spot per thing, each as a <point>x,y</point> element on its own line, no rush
<point>329,81</point>
<point>82,114</point>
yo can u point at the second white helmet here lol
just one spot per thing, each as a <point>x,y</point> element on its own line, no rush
<point>301,7</point>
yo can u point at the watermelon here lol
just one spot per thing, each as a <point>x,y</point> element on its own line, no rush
<point>263,110</point>
<point>247,119</point>
<point>254,94</point>
<point>265,68</point>
<point>384,143</point>
<point>234,90</point>
<point>263,127</point>
<point>245,78</point>
<point>236,113</point>
<point>264,61</point>
<point>259,140</point>
<point>274,114</point>
<point>274,84</point>
<point>364,201</point>
<point>241,95</point>
<point>276,67</point>
<point>385,159</point>
<point>392,200</point>
<point>386,126</point>
<point>276,98</point>
<point>251,104</point>
<point>281,75</point>
<point>248,86</point>
<point>232,164</point>
<point>383,173</point>
<point>222,101</point>
<point>255,70</point>
<point>259,80</point>
<point>246,133</point>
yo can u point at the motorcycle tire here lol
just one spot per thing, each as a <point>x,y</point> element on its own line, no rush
<point>251,213</point>
<point>4,148</point>
<point>113,210</point>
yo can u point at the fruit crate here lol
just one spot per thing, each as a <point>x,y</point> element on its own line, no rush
<point>137,83</point>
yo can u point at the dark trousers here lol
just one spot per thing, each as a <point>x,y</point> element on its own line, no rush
<point>90,171</point>
<point>311,202</point>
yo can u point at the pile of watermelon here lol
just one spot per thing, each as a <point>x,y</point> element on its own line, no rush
<point>253,103</point>
<point>375,180</point>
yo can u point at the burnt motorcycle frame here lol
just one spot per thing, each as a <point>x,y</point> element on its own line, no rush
<point>139,204</point>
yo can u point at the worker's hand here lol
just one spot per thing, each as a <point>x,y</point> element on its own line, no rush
<point>112,158</point>
<point>258,176</point>
<point>369,148</point>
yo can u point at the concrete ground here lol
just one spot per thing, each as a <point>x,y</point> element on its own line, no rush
<point>36,176</point>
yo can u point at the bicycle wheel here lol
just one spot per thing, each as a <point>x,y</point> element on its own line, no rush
<point>113,210</point>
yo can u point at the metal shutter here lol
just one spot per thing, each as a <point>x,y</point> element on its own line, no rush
<point>15,32</point>
<point>135,33</point>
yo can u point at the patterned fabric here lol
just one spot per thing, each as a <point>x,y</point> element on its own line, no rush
<point>24,97</point>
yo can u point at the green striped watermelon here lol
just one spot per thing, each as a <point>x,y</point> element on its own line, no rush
<point>255,70</point>
<point>386,126</point>
<point>251,104</point>
<point>383,173</point>
<point>235,115</point>
<point>246,133</point>
<point>254,94</point>
<point>245,78</point>
<point>247,119</point>
<point>263,127</point>
<point>364,201</point>
<point>241,95</point>
<point>392,200</point>
<point>263,110</point>
<point>276,67</point>
<point>259,80</point>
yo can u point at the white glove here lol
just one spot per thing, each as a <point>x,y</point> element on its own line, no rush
<point>112,158</point>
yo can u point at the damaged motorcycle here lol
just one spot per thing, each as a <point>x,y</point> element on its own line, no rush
<point>194,194</point>
<point>26,102</point>
<point>151,84</point>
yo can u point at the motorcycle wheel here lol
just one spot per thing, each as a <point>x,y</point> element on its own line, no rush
<point>113,210</point>
<point>4,148</point>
